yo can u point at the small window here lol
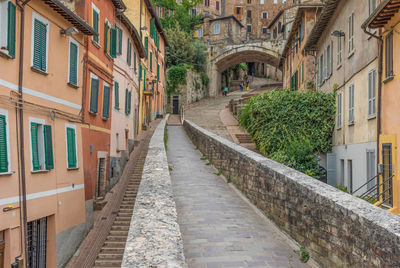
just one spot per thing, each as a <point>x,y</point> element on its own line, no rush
<point>128,52</point>
<point>217,5</point>
<point>72,157</point>
<point>351,104</point>
<point>151,61</point>
<point>41,145</point>
<point>339,52</point>
<point>261,2</point>
<point>200,32</point>
<point>128,101</point>
<point>264,30</point>
<point>40,43</point>
<point>119,40</point>
<point>249,28</point>
<point>7,27</point>
<point>265,15</point>
<point>73,62</point>
<point>216,28</point>
<point>249,14</point>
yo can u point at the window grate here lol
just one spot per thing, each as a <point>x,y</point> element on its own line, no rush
<point>37,243</point>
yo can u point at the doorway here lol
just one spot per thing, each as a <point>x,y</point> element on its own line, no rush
<point>37,243</point>
<point>387,174</point>
<point>175,105</point>
<point>101,177</point>
<point>2,249</point>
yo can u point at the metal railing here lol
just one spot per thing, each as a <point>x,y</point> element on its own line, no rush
<point>182,114</point>
<point>374,195</point>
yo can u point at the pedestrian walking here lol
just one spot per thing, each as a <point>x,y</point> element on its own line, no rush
<point>241,86</point>
<point>226,91</point>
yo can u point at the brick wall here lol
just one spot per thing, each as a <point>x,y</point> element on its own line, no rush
<point>338,230</point>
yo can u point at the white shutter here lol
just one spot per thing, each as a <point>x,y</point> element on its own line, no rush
<point>331,169</point>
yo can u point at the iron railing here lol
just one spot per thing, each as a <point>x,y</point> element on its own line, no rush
<point>374,195</point>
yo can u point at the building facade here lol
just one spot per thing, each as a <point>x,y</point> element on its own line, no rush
<point>41,154</point>
<point>352,74</point>
<point>297,66</point>
<point>384,22</point>
<point>125,104</point>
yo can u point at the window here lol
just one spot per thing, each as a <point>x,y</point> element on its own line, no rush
<point>339,110</point>
<point>321,69</point>
<point>2,249</point>
<point>261,2</point>
<point>372,6</point>
<point>351,33</point>
<point>110,40</point>
<point>40,43</point>
<point>151,61</point>
<point>4,143</point>
<point>249,14</point>
<point>73,62</point>
<point>217,5</point>
<point>106,101</point>
<point>94,93</point>
<point>134,62</point>
<point>329,59</point>
<point>41,145</point>
<point>159,11</point>
<point>128,53</point>
<point>192,11</point>
<point>128,99</point>
<point>372,93</point>
<point>339,52</point>
<point>249,28</point>
<point>207,3</point>
<point>216,28</point>
<point>116,95</point>
<point>264,30</point>
<point>238,10</point>
<point>351,104</point>
<point>302,28</point>
<point>71,146</point>
<point>95,18</point>
<point>158,72</point>
<point>350,175</point>
<point>265,15</point>
<point>248,1</point>
<point>200,32</point>
<point>7,27</point>
<point>275,33</point>
<point>146,46</point>
<point>389,55</point>
<point>119,40</point>
<point>371,173</point>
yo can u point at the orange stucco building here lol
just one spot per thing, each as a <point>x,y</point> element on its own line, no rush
<point>385,22</point>
<point>42,199</point>
<point>298,67</point>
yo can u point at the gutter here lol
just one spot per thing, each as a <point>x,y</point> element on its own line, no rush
<point>380,71</point>
<point>21,128</point>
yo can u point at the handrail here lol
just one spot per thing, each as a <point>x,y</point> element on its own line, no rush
<point>365,184</point>
<point>182,114</point>
<point>367,195</point>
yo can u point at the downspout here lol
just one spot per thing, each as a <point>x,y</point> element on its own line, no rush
<point>380,72</point>
<point>21,123</point>
<point>140,111</point>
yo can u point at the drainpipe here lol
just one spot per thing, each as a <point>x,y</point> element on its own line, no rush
<point>380,71</point>
<point>140,72</point>
<point>21,123</point>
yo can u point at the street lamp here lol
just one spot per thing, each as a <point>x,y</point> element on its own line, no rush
<point>337,33</point>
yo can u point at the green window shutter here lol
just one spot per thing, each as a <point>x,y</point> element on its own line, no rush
<point>129,102</point>
<point>71,148</point>
<point>35,146</point>
<point>146,46</point>
<point>106,37</point>
<point>3,145</point>
<point>113,43</point>
<point>144,79</point>
<point>126,100</point>
<point>39,45</point>
<point>140,71</point>
<point>106,102</point>
<point>158,72</point>
<point>134,61</point>
<point>120,41</point>
<point>116,94</point>
<point>94,93</point>
<point>152,28</point>
<point>48,147</point>
<point>73,64</point>
<point>151,61</point>
<point>96,26</point>
<point>11,29</point>
<point>129,53</point>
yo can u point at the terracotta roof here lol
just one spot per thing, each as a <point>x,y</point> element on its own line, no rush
<point>71,16</point>
<point>382,14</point>
<point>296,22</point>
<point>320,26</point>
<point>228,17</point>
<point>158,23</point>
<point>134,33</point>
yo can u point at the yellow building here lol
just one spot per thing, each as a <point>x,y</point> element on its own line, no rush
<point>385,24</point>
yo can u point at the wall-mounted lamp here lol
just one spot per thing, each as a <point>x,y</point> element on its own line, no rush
<point>337,33</point>
<point>69,31</point>
<point>143,28</point>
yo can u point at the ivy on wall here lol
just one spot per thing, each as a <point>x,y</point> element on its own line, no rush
<point>292,127</point>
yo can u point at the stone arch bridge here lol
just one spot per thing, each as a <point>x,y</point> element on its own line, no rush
<point>222,56</point>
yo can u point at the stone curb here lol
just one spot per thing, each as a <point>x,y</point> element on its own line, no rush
<point>154,238</point>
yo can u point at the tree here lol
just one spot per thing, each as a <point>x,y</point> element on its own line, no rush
<point>181,49</point>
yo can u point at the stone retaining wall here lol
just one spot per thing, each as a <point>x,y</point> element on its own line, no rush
<point>337,229</point>
<point>154,238</point>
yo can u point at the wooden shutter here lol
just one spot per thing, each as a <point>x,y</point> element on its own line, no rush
<point>158,72</point>
<point>39,45</point>
<point>73,64</point>
<point>116,94</point>
<point>106,102</point>
<point>94,93</point>
<point>129,102</point>
<point>96,26</point>
<point>129,53</point>
<point>106,37</point>
<point>151,61</point>
<point>119,41</point>
<point>71,148</point>
<point>48,147</point>
<point>146,46</point>
<point>126,101</point>
<point>3,145</point>
<point>11,29</point>
<point>35,146</point>
<point>113,43</point>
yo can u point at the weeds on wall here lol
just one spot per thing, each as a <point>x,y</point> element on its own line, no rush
<point>292,127</point>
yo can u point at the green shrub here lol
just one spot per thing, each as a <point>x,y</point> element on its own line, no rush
<point>291,127</point>
<point>342,188</point>
<point>176,76</point>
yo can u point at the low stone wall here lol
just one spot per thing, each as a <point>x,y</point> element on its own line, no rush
<point>154,238</point>
<point>337,229</point>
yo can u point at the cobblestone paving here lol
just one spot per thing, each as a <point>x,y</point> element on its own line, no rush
<point>219,228</point>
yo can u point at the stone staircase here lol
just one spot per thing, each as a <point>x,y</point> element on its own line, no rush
<point>112,251</point>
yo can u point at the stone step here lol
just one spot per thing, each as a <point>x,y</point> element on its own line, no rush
<point>121,223</point>
<point>125,210</point>
<point>114,244</point>
<point>108,263</point>
<point>121,227</point>
<point>121,218</point>
<point>109,250</point>
<point>122,214</point>
<point>119,233</point>
<point>111,256</point>
<point>116,238</point>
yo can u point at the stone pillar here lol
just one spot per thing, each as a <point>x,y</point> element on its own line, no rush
<point>215,79</point>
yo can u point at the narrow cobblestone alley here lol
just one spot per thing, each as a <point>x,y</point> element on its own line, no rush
<point>219,228</point>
